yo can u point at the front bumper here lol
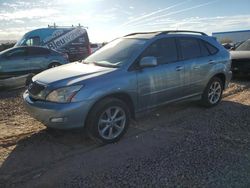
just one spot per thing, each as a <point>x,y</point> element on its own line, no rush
<point>56,115</point>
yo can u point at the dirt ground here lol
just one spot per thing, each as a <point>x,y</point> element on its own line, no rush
<point>182,144</point>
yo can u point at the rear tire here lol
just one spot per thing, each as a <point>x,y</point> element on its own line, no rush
<point>108,121</point>
<point>212,95</point>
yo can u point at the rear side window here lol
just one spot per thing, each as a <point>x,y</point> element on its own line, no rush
<point>204,49</point>
<point>213,50</point>
<point>190,48</point>
<point>164,50</point>
<point>38,51</point>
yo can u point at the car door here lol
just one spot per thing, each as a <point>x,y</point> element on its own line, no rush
<point>196,61</point>
<point>39,58</point>
<point>14,63</point>
<point>162,83</point>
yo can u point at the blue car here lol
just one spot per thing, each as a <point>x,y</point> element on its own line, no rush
<point>127,77</point>
<point>16,64</point>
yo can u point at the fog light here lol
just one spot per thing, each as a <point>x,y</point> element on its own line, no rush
<point>57,120</point>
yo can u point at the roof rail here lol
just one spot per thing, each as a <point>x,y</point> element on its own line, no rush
<point>56,26</point>
<point>167,32</point>
<point>181,31</point>
<point>152,32</point>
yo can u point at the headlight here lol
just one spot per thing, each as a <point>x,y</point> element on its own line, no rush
<point>63,95</point>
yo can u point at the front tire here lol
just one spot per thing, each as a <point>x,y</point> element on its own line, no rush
<point>108,121</point>
<point>212,95</point>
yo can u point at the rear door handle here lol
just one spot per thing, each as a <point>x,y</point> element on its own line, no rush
<point>179,68</point>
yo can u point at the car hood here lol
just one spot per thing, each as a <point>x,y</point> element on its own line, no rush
<point>71,73</point>
<point>240,54</point>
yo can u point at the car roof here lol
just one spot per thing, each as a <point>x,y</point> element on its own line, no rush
<point>38,47</point>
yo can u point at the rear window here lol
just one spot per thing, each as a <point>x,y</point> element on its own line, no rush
<point>93,45</point>
<point>244,46</point>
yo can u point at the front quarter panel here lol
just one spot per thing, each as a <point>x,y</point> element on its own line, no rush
<point>119,81</point>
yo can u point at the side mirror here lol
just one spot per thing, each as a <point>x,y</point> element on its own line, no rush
<point>149,61</point>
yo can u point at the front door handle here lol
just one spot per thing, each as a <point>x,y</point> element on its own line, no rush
<point>179,68</point>
<point>196,67</point>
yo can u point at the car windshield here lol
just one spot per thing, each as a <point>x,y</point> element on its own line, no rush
<point>245,46</point>
<point>20,42</point>
<point>115,53</point>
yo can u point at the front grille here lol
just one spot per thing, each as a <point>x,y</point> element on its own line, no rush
<point>35,89</point>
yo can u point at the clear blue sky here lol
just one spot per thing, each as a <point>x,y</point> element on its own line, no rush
<point>108,19</point>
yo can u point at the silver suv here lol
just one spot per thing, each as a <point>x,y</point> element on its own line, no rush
<point>129,76</point>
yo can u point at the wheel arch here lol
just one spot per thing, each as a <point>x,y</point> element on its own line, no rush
<point>126,98</point>
<point>221,76</point>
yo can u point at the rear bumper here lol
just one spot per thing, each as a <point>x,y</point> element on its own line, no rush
<point>56,115</point>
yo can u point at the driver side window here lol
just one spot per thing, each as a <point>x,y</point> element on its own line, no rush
<point>34,41</point>
<point>164,50</point>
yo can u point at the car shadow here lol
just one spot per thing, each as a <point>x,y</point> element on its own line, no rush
<point>36,153</point>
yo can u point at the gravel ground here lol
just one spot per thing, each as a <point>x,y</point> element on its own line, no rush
<point>180,145</point>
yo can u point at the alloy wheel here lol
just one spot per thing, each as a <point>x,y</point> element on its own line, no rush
<point>214,92</point>
<point>112,122</point>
